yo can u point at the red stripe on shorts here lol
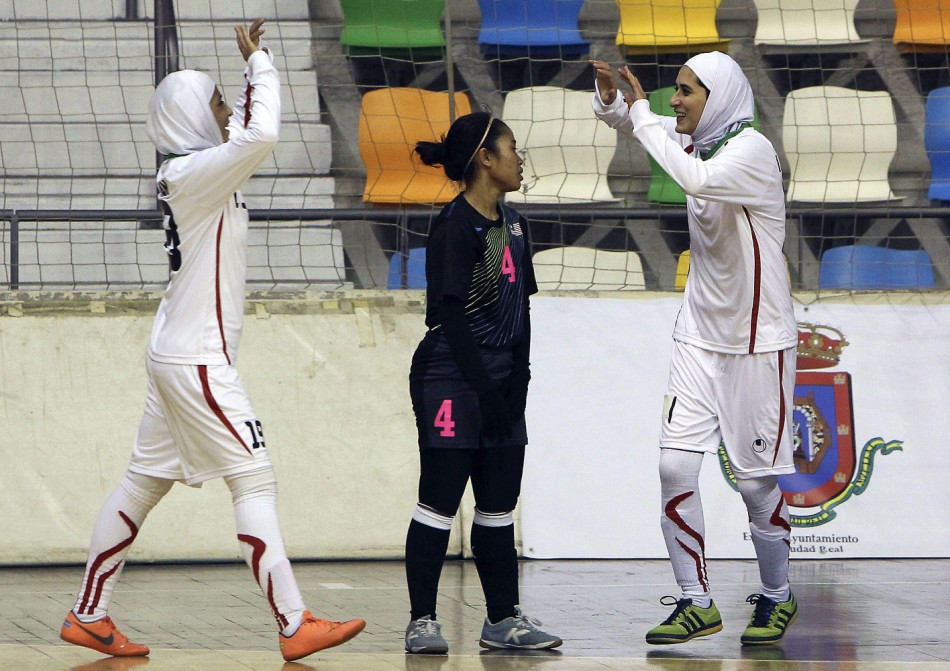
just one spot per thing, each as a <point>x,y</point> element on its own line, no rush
<point>216,409</point>
<point>781,413</point>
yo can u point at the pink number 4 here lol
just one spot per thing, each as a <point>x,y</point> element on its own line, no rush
<point>443,419</point>
<point>508,264</point>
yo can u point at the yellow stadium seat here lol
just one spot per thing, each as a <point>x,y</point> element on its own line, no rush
<point>669,26</point>
<point>392,120</point>
<point>682,271</point>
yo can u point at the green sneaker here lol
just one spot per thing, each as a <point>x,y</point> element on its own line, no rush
<point>685,623</point>
<point>770,620</point>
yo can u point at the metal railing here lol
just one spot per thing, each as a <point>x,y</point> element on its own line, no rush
<point>659,233</point>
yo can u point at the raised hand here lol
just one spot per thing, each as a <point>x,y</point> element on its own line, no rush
<point>606,82</point>
<point>627,75</point>
<point>249,39</point>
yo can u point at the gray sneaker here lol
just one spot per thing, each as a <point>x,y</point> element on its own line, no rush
<point>424,637</point>
<point>519,633</point>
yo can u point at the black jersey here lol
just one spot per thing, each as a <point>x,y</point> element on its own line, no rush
<point>484,263</point>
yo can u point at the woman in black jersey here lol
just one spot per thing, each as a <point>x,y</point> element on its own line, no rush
<point>469,383</point>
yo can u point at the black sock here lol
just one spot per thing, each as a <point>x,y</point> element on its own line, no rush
<point>425,554</point>
<point>497,565</point>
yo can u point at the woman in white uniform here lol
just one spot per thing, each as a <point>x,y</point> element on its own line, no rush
<point>198,422</point>
<point>732,372</point>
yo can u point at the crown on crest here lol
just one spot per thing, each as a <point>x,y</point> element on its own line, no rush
<point>819,346</point>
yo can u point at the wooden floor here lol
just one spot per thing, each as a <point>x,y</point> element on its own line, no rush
<point>854,615</point>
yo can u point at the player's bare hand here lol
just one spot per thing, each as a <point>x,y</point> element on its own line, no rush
<point>606,82</point>
<point>627,75</point>
<point>249,39</point>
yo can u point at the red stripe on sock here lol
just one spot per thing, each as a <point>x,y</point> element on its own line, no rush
<point>85,604</point>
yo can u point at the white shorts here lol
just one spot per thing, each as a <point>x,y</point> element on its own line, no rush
<point>743,401</point>
<point>198,424</point>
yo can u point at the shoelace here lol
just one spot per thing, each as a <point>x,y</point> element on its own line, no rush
<point>528,622</point>
<point>681,605</point>
<point>429,627</point>
<point>764,607</point>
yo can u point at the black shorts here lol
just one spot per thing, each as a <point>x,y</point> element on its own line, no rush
<point>445,404</point>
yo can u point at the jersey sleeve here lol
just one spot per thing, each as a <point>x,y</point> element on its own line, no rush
<point>451,255</point>
<point>208,178</point>
<point>531,282</point>
<point>737,176</point>
<point>618,116</point>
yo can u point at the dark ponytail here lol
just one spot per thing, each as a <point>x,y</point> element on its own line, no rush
<point>457,148</point>
<point>432,153</point>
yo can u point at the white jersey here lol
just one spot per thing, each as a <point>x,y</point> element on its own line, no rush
<point>201,316</point>
<point>738,294</point>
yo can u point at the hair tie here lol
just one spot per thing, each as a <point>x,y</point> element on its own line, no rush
<point>480,142</point>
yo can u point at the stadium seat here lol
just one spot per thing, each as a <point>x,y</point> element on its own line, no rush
<point>908,269</point>
<point>586,269</point>
<point>669,26</point>
<point>662,187</point>
<point>372,26</point>
<point>566,149</point>
<point>866,267</point>
<point>937,142</point>
<point>407,271</point>
<point>922,25</point>
<point>839,143</point>
<point>682,270</point>
<point>538,28</point>
<point>392,120</point>
<point>806,23</point>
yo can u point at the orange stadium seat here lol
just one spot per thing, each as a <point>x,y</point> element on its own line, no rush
<point>922,25</point>
<point>392,120</point>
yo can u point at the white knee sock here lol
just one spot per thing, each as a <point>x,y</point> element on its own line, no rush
<point>118,524</point>
<point>682,522</point>
<point>255,512</point>
<point>771,533</point>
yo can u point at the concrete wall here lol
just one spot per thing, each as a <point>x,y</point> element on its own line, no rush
<point>327,376</point>
<point>327,373</point>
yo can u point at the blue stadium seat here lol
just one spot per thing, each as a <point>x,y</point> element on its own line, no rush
<point>937,142</point>
<point>875,268</point>
<point>908,269</point>
<point>512,28</point>
<point>414,268</point>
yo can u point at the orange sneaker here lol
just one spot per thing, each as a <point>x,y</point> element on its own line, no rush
<point>101,636</point>
<point>315,634</point>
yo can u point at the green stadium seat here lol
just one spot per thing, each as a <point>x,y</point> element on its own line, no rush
<point>379,26</point>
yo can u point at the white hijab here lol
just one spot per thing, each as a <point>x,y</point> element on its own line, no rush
<point>180,120</point>
<point>730,100</point>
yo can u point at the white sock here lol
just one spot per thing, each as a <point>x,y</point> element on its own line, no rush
<point>118,524</point>
<point>255,512</point>
<point>771,533</point>
<point>681,520</point>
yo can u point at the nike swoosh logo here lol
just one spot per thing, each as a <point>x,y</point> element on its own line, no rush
<point>105,640</point>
